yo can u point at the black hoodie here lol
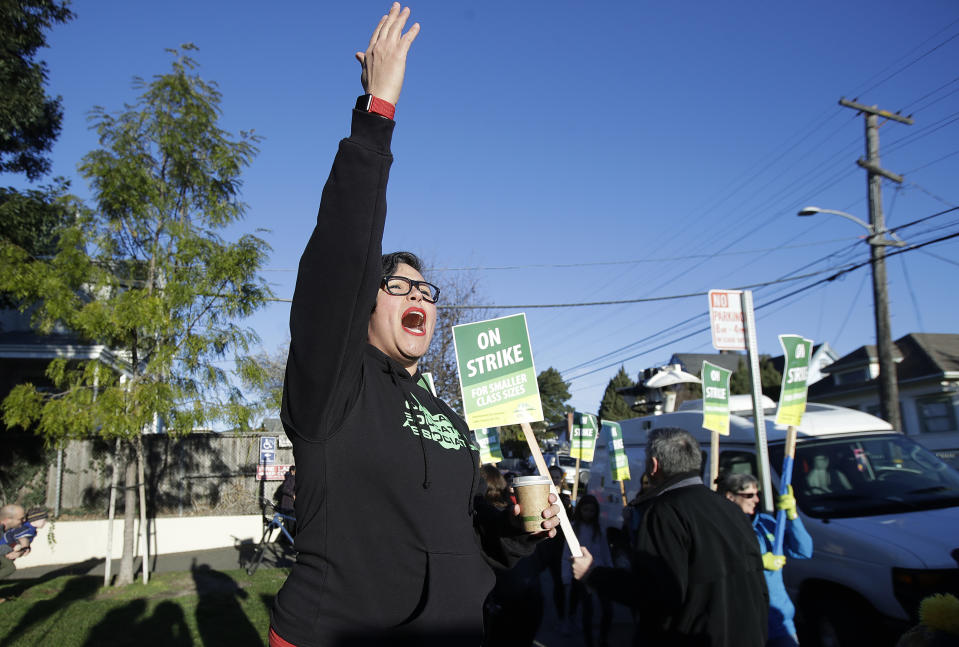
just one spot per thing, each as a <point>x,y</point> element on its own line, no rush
<point>389,545</point>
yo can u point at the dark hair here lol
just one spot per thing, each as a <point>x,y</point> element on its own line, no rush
<point>587,499</point>
<point>497,492</point>
<point>734,482</point>
<point>392,260</point>
<point>676,451</point>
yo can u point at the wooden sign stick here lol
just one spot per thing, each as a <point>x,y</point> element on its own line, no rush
<point>714,461</point>
<point>564,523</point>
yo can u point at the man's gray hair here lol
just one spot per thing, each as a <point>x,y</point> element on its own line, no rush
<point>675,450</point>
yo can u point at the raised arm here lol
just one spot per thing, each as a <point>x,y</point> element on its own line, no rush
<point>339,272</point>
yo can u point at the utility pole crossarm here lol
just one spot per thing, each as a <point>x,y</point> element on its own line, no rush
<point>879,171</point>
<point>874,110</point>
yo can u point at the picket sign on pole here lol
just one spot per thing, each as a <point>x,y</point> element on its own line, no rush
<point>564,523</point>
<point>787,474</point>
<point>797,352</point>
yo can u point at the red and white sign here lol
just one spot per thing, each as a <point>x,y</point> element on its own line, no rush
<point>726,319</point>
<point>271,472</point>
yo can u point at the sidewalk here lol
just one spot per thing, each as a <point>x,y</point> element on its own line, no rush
<point>218,559</point>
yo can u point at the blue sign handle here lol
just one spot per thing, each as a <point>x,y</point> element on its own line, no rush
<point>784,481</point>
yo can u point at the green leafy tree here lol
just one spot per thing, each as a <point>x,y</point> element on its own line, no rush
<point>613,406</point>
<point>146,274</point>
<point>29,124</point>
<point>554,392</point>
<point>769,378</point>
<point>29,119</point>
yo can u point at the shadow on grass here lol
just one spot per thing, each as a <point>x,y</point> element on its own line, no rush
<point>220,618</point>
<point>79,588</point>
<point>16,588</point>
<point>127,625</point>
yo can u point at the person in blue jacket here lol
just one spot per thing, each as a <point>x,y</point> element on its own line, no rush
<point>743,490</point>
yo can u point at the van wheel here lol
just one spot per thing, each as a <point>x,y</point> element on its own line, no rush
<point>834,621</point>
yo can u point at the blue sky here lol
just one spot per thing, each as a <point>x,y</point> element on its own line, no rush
<point>606,151</point>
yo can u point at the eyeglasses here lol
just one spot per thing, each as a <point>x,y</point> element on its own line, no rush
<point>747,495</point>
<point>400,286</point>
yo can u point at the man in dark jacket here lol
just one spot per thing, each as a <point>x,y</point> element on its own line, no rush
<point>697,575</point>
<point>391,549</point>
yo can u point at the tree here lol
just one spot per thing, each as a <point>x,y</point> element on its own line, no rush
<point>146,274</point>
<point>29,119</point>
<point>267,382</point>
<point>440,360</point>
<point>554,392</point>
<point>769,378</point>
<point>613,406</point>
<point>29,124</point>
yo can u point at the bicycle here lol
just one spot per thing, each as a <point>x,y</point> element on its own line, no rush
<point>273,519</point>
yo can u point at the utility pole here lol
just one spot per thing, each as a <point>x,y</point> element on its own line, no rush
<point>888,383</point>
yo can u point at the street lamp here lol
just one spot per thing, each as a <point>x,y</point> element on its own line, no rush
<point>888,385</point>
<point>873,234</point>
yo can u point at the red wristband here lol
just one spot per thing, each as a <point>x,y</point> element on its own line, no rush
<point>369,103</point>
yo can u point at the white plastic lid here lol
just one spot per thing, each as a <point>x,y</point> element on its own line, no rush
<point>530,480</point>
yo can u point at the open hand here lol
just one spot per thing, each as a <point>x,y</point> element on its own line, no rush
<point>384,61</point>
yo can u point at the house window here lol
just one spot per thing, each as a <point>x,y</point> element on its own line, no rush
<point>936,413</point>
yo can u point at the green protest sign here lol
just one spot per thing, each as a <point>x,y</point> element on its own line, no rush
<point>585,430</point>
<point>488,442</point>
<point>618,462</point>
<point>497,376</point>
<point>716,398</point>
<point>792,399</point>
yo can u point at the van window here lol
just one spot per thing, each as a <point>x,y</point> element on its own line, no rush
<point>737,462</point>
<point>855,477</point>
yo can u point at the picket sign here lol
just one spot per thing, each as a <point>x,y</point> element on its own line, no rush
<point>564,523</point>
<point>797,353</point>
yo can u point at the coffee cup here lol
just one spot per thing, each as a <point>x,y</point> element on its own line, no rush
<point>532,493</point>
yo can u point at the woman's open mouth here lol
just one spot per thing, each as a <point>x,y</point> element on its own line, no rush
<point>414,321</point>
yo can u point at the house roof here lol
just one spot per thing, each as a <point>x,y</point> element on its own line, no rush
<point>693,362</point>
<point>927,354</point>
<point>862,356</point>
<point>917,355</point>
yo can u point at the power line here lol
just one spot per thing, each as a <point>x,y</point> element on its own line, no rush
<point>929,94</point>
<point>935,161</point>
<point>776,300</point>
<point>915,60</point>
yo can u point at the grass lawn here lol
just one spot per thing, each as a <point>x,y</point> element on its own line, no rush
<point>199,607</point>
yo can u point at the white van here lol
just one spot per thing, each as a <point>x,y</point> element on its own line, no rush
<point>882,510</point>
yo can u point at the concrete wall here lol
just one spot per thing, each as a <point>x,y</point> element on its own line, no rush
<point>77,541</point>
